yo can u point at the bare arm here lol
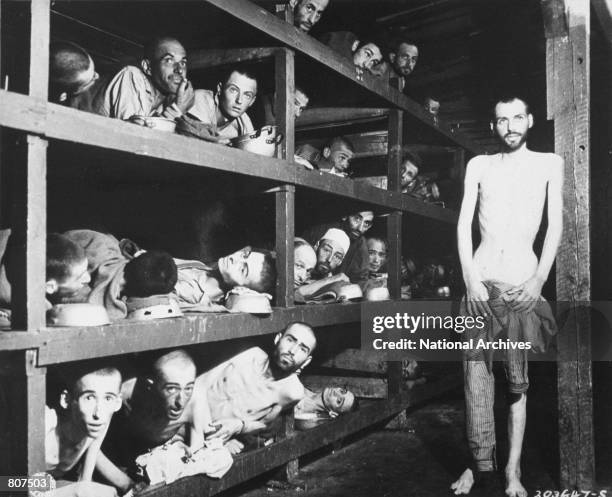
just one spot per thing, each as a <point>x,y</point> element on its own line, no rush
<point>528,293</point>
<point>555,220</point>
<point>112,473</point>
<point>476,293</point>
<point>306,291</point>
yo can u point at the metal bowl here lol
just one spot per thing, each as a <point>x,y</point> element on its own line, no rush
<point>262,142</point>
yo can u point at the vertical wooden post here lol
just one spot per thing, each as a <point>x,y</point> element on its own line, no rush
<point>39,48</point>
<point>28,388</point>
<point>567,25</point>
<point>29,218</point>
<point>284,72</point>
<point>394,231</point>
<point>285,233</point>
<point>394,221</point>
<point>29,214</point>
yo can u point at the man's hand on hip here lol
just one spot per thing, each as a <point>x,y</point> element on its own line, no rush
<point>524,297</point>
<point>476,298</point>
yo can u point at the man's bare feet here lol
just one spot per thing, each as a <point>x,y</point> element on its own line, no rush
<point>464,484</point>
<point>514,487</point>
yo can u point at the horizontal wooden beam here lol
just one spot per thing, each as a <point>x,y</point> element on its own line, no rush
<point>259,18</point>
<point>357,360</point>
<point>367,388</point>
<point>58,345</point>
<point>211,57</point>
<point>62,123</point>
<point>339,116</point>
<point>256,462</point>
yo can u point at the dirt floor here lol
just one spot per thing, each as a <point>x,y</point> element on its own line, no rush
<point>424,457</point>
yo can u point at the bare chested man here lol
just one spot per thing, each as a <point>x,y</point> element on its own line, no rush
<point>159,408</point>
<point>511,188</point>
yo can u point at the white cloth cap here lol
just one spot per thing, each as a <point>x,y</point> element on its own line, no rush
<point>338,236</point>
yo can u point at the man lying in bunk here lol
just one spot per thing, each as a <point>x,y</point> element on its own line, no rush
<point>157,87</point>
<point>265,111</point>
<point>403,56</point>
<point>330,252</point>
<point>67,277</point>
<point>356,261</point>
<point>320,406</point>
<point>75,430</point>
<point>224,110</point>
<point>365,54</point>
<point>249,391</point>
<point>377,260</point>
<point>158,408</point>
<point>335,158</point>
<point>304,261</point>
<point>306,13</point>
<point>73,79</point>
<point>202,287</point>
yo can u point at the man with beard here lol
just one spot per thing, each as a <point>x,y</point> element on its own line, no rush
<point>306,13</point>
<point>330,252</point>
<point>511,189</point>
<point>250,390</point>
<point>158,87</point>
<point>403,57</point>
<point>355,264</point>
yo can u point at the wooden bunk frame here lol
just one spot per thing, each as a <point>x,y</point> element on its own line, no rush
<point>32,346</point>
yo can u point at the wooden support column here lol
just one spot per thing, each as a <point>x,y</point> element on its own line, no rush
<point>29,220</point>
<point>285,233</point>
<point>394,232</point>
<point>394,221</point>
<point>284,72</point>
<point>567,26</point>
<point>27,390</point>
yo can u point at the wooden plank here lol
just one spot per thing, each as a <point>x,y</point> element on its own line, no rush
<point>284,80</point>
<point>29,234</point>
<point>68,344</point>
<point>357,360</point>
<point>39,48</point>
<point>368,388</point>
<point>567,28</point>
<point>255,462</point>
<point>394,221</point>
<point>285,233</point>
<point>211,57</point>
<point>263,20</point>
<point>338,116</point>
<point>58,122</point>
<point>28,401</point>
<point>18,340</point>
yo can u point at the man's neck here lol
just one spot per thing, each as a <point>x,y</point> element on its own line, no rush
<point>222,120</point>
<point>516,153</point>
<point>74,435</point>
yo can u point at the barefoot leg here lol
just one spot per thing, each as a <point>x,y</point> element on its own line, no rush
<point>516,429</point>
<point>464,484</point>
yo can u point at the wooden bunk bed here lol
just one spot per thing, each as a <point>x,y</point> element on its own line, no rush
<point>31,346</point>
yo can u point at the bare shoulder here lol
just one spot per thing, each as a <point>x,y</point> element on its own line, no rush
<point>477,165</point>
<point>551,164</point>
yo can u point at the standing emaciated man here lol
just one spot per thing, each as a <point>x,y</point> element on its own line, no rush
<point>504,277</point>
